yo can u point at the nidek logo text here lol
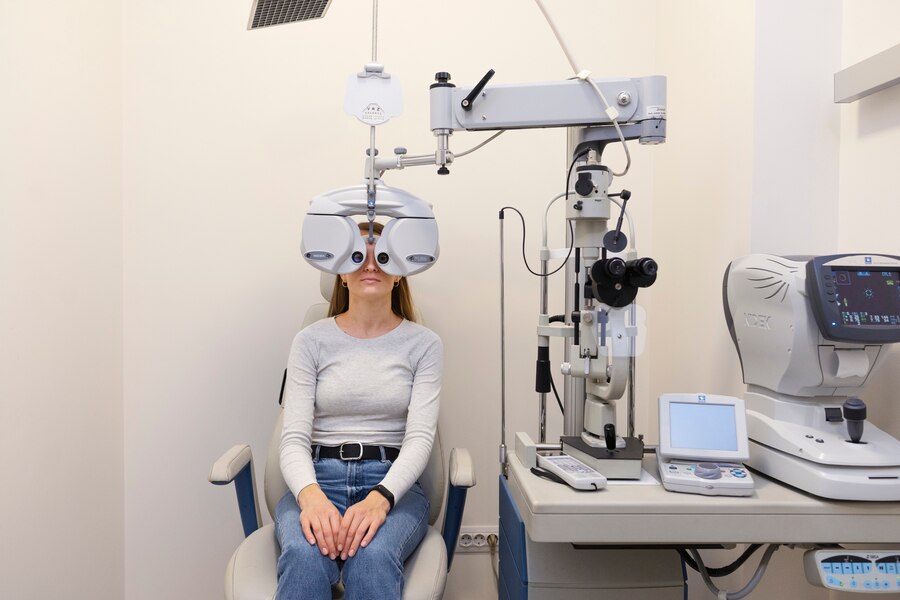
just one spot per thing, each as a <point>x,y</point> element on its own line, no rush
<point>757,321</point>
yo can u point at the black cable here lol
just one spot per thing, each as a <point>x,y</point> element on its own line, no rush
<point>571,230</point>
<point>525,260</point>
<point>540,472</point>
<point>572,166</point>
<point>721,571</point>
<point>555,393</point>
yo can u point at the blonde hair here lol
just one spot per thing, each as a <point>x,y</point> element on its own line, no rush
<point>401,297</point>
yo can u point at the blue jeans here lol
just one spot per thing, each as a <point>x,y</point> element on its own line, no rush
<point>376,572</point>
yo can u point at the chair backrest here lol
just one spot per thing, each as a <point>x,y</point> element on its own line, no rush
<point>433,479</point>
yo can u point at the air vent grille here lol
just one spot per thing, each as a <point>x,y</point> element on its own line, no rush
<point>266,13</point>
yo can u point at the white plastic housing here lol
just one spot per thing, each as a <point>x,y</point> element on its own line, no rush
<point>411,246</point>
<point>777,337</point>
<point>330,241</point>
<point>331,237</point>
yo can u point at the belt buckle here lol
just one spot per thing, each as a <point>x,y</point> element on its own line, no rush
<point>357,457</point>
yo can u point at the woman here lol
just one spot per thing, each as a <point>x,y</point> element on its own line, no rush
<point>360,412</point>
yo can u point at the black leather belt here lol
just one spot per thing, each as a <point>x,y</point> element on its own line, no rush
<point>355,451</point>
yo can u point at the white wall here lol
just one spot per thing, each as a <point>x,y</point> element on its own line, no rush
<point>870,137</point>
<point>228,133</point>
<point>868,207</point>
<point>796,127</point>
<point>61,522</point>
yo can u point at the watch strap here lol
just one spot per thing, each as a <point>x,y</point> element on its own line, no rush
<point>384,492</point>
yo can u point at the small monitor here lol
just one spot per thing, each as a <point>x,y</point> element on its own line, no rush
<point>702,427</point>
<point>855,297</point>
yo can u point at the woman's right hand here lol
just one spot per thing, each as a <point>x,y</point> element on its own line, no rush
<point>319,519</point>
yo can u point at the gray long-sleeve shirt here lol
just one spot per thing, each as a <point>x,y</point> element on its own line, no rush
<point>378,391</point>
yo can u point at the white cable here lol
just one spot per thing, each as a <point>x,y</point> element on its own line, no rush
<point>631,235</point>
<point>485,142</point>
<point>559,38</point>
<point>495,559</point>
<point>546,212</point>
<point>615,123</point>
<point>585,76</point>
<point>743,592</point>
<point>409,161</point>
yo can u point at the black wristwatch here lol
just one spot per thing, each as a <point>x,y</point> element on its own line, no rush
<point>384,492</point>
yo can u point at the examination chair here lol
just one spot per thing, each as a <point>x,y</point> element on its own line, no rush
<point>251,573</point>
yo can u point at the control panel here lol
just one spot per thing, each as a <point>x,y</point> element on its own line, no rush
<point>867,571</point>
<point>702,439</point>
<point>707,478</point>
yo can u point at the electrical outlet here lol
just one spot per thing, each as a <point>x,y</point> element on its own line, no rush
<point>477,538</point>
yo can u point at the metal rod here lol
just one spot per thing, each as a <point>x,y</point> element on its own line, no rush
<point>551,447</point>
<point>374,31</point>
<point>542,410</point>
<point>370,212</point>
<point>502,359</point>
<point>632,346</point>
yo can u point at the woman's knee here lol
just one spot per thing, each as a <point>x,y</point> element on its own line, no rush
<point>300,554</point>
<point>304,573</point>
<point>372,561</point>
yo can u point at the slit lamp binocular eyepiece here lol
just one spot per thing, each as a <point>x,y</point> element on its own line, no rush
<point>615,282</point>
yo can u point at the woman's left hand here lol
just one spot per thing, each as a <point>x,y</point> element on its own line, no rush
<point>361,522</point>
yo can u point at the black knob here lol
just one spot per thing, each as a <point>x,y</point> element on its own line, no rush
<point>609,436</point>
<point>443,80</point>
<point>585,185</point>
<point>854,409</point>
<point>443,171</point>
<point>383,258</point>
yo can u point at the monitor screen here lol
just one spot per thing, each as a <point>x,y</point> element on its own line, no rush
<point>703,426</point>
<point>868,298</point>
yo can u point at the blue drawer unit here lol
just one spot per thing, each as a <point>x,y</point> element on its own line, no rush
<point>513,563</point>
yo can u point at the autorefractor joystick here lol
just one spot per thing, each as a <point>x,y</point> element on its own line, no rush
<point>854,410</point>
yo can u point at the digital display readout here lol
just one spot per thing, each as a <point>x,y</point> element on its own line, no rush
<point>703,426</point>
<point>868,298</point>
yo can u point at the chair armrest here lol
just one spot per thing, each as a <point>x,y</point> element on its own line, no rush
<point>227,467</point>
<point>462,477</point>
<point>462,468</point>
<point>237,465</point>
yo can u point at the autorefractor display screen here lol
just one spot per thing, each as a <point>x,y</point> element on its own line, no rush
<point>868,298</point>
<point>702,426</point>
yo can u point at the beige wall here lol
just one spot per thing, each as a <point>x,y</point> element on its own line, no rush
<point>867,209</point>
<point>870,138</point>
<point>228,133</point>
<point>61,523</point>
